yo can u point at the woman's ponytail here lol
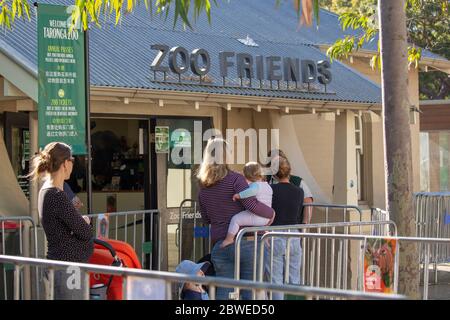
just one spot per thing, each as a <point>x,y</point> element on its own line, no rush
<point>50,159</point>
<point>40,164</point>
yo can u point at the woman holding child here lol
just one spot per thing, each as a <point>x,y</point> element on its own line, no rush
<point>219,186</point>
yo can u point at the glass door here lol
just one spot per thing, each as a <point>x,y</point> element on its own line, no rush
<point>175,156</point>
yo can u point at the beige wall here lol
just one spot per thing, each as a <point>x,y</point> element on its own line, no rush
<point>377,179</point>
<point>362,66</point>
<point>247,118</point>
<point>315,136</point>
<point>345,176</point>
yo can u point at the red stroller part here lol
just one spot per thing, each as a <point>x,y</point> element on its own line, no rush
<point>112,253</point>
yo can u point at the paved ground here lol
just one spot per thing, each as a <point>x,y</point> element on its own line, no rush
<point>441,290</point>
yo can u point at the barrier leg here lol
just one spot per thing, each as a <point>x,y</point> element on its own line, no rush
<point>86,286</point>
<point>426,272</point>
<point>17,286</point>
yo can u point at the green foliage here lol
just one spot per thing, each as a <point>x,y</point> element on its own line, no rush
<point>10,10</point>
<point>365,19</point>
<point>428,27</point>
<point>90,10</point>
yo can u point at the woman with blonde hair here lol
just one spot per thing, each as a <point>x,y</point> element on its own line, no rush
<point>69,235</point>
<point>218,185</point>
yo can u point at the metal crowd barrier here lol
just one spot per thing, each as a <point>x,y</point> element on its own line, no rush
<point>160,283</point>
<point>11,228</point>
<point>432,212</point>
<point>124,226</point>
<point>335,210</point>
<point>377,214</point>
<point>426,242</point>
<point>191,226</point>
<point>312,268</point>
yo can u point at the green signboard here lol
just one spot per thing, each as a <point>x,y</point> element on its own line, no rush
<point>62,79</point>
<point>161,139</point>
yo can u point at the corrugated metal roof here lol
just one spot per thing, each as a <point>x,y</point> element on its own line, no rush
<point>132,72</point>
<point>121,56</point>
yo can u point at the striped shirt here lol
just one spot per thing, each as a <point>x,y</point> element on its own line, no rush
<point>217,206</point>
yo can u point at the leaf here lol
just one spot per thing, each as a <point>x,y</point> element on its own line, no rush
<point>183,11</point>
<point>27,9</point>
<point>317,11</point>
<point>84,19</point>
<point>118,13</point>
<point>375,62</point>
<point>14,9</point>
<point>208,10</point>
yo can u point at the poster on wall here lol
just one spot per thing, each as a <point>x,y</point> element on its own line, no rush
<point>180,139</point>
<point>103,226</point>
<point>61,79</point>
<point>161,139</point>
<point>379,265</point>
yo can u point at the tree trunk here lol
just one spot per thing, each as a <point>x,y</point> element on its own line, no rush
<point>394,73</point>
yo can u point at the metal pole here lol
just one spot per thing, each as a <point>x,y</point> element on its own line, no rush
<point>318,261</point>
<point>326,260</point>
<point>212,292</point>
<point>303,244</point>
<point>86,286</point>
<point>159,241</point>
<point>194,240</point>
<point>426,272</point>
<point>88,123</point>
<point>332,259</point>
<point>117,223</point>
<point>125,287</point>
<point>361,265</point>
<point>5,287</point>
<point>287,259</point>
<point>36,254</point>
<point>16,282</point>
<point>312,262</point>
<point>168,290</point>
<point>134,231</point>
<point>51,280</point>
<point>339,266</point>
<point>27,268</point>
<point>143,239</point>
<point>255,254</point>
<point>34,149</point>
<point>180,233</point>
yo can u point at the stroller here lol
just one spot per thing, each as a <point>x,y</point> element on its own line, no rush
<point>111,253</point>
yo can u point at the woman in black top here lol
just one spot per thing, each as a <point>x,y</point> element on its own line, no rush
<point>69,235</point>
<point>287,201</point>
